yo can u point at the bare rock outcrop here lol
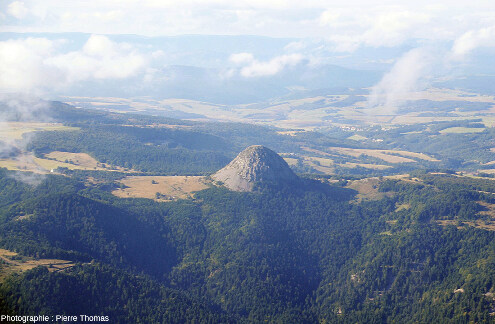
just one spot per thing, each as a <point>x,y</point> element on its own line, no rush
<point>253,166</point>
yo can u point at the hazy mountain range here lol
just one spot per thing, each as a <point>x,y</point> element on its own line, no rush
<point>217,69</point>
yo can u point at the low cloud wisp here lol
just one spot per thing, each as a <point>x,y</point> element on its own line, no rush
<point>249,67</point>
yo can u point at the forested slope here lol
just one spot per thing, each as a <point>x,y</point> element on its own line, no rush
<point>307,254</point>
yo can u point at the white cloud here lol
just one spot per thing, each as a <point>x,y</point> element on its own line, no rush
<point>17,9</point>
<point>286,18</point>
<point>380,27</point>
<point>473,39</point>
<point>22,64</point>
<point>33,64</point>
<point>394,27</point>
<point>409,73</point>
<point>100,58</point>
<point>329,17</point>
<point>241,58</point>
<point>250,67</point>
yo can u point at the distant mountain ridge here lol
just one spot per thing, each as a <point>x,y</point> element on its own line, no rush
<point>255,165</point>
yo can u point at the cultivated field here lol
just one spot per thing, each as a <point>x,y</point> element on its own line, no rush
<point>161,188</point>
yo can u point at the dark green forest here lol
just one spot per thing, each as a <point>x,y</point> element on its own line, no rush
<point>422,250</point>
<point>288,255</point>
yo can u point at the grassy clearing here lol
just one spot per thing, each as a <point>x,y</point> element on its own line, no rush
<point>420,156</point>
<point>351,165</point>
<point>323,165</point>
<point>461,130</point>
<point>385,155</point>
<point>291,133</point>
<point>356,137</point>
<point>81,161</point>
<point>481,224</point>
<point>307,149</point>
<point>380,154</point>
<point>327,165</point>
<point>488,121</point>
<point>13,262</point>
<point>399,207</point>
<point>291,161</point>
<point>320,168</point>
<point>23,163</point>
<point>15,130</point>
<point>167,126</point>
<point>320,161</point>
<point>367,189</point>
<point>167,187</point>
<point>9,164</point>
<point>53,160</point>
<point>490,209</point>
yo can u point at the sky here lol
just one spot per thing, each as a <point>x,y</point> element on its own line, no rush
<point>378,23</point>
<point>441,35</point>
<point>347,23</point>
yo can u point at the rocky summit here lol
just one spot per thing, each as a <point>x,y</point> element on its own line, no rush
<point>255,165</point>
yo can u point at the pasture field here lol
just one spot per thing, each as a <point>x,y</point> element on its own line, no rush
<point>291,132</point>
<point>320,161</point>
<point>161,188</point>
<point>326,168</point>
<point>291,161</point>
<point>351,165</point>
<point>53,160</point>
<point>487,225</point>
<point>81,161</point>
<point>367,189</point>
<point>15,130</point>
<point>357,137</point>
<point>390,156</point>
<point>24,162</point>
<point>461,130</point>
<point>78,159</point>
<point>327,165</point>
<point>12,262</point>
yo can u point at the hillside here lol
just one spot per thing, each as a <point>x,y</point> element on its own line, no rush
<point>302,254</point>
<point>281,245</point>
